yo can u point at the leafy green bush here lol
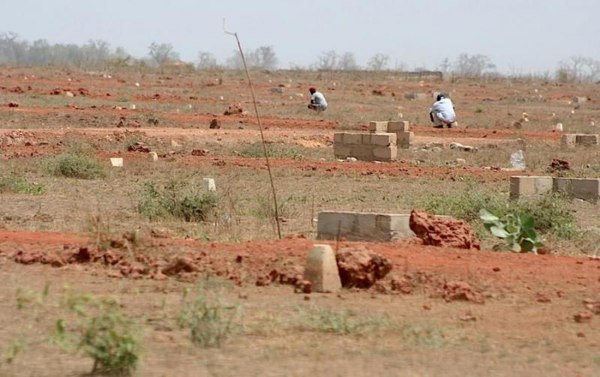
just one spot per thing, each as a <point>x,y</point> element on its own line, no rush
<point>210,320</point>
<point>176,200</point>
<point>274,151</point>
<point>12,183</point>
<point>516,229</point>
<point>103,332</point>
<point>550,211</point>
<point>76,165</point>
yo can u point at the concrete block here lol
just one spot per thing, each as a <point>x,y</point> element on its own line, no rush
<point>587,189</point>
<point>338,138</point>
<point>385,153</point>
<point>366,139</point>
<point>363,226</point>
<point>383,140</point>
<point>580,100</point>
<point>362,152</point>
<point>399,126</point>
<point>581,139</point>
<point>342,151</point>
<point>330,223</point>
<point>321,269</point>
<point>352,138</point>
<point>568,141</point>
<point>378,126</point>
<point>405,139</point>
<point>153,156</point>
<point>117,162</point>
<point>529,186</point>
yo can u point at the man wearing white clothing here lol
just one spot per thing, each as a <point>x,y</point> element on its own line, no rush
<point>317,100</point>
<point>442,113</point>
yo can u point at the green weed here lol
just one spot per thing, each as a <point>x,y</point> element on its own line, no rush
<point>14,184</point>
<point>75,165</point>
<point>176,200</point>
<point>274,151</point>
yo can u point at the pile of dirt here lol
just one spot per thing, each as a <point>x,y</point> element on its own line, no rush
<point>138,147</point>
<point>460,291</point>
<point>234,109</point>
<point>360,267</point>
<point>443,231</point>
<point>17,138</point>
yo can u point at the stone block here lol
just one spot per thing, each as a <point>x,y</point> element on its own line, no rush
<point>581,139</point>
<point>352,138</point>
<point>385,153</point>
<point>362,152</point>
<point>152,156</point>
<point>405,139</point>
<point>587,189</point>
<point>321,269</point>
<point>529,186</point>
<point>394,226</point>
<point>330,223</point>
<point>116,162</point>
<point>342,151</point>
<point>580,100</point>
<point>338,138</point>
<point>399,126</point>
<point>383,140</point>
<point>378,126</point>
<point>366,139</point>
<point>568,141</point>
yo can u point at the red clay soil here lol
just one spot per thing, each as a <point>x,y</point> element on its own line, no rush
<point>447,270</point>
<point>486,133</point>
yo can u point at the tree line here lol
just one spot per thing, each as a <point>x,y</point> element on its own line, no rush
<point>98,54</point>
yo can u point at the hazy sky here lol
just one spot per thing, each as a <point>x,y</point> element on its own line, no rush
<point>519,35</point>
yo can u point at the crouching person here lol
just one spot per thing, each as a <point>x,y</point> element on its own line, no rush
<point>442,113</point>
<point>317,100</point>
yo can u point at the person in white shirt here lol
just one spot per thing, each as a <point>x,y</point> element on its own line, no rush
<point>442,113</point>
<point>317,100</point>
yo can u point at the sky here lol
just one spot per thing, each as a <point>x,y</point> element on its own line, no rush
<point>520,36</point>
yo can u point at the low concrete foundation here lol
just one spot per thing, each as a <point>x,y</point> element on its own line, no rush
<point>524,186</point>
<point>363,226</point>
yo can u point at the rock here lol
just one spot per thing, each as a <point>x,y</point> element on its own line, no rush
<point>583,317</point>
<point>175,144</point>
<point>234,110</point>
<point>461,161</point>
<point>303,286</point>
<point>178,265</point>
<point>138,147</point>
<point>321,269</point>
<point>199,152</point>
<point>360,267</point>
<point>278,90</point>
<point>461,147</point>
<point>160,232</point>
<point>13,104</point>
<point>559,165</point>
<point>214,124</point>
<point>69,94</point>
<point>351,159</point>
<point>462,291</point>
<point>402,284</point>
<point>153,156</point>
<point>443,231</point>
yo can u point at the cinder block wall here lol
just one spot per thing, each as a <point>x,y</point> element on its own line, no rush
<point>365,146</point>
<point>575,140</point>
<point>531,186</point>
<point>359,226</point>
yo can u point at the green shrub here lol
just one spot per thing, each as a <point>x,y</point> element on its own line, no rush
<point>274,151</point>
<point>103,333</point>
<point>176,200</point>
<point>517,230</point>
<point>209,320</point>
<point>76,165</point>
<point>12,183</point>
<point>550,211</point>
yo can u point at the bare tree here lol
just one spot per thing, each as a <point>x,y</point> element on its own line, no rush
<point>162,53</point>
<point>445,65</point>
<point>579,68</point>
<point>378,62</point>
<point>206,60</point>
<point>473,65</point>
<point>264,58</point>
<point>347,62</point>
<point>327,61</point>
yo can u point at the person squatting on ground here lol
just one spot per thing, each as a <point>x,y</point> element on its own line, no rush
<point>317,100</point>
<point>442,113</point>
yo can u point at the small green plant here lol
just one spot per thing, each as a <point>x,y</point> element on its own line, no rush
<point>12,183</point>
<point>208,318</point>
<point>345,322</point>
<point>478,111</point>
<point>516,229</point>
<point>76,165</point>
<point>176,200</point>
<point>102,332</point>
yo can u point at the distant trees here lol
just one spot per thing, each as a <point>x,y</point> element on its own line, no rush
<point>206,60</point>
<point>162,53</point>
<point>263,57</point>
<point>579,68</point>
<point>378,62</point>
<point>472,66</point>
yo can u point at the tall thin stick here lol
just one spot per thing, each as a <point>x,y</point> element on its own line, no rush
<point>262,136</point>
